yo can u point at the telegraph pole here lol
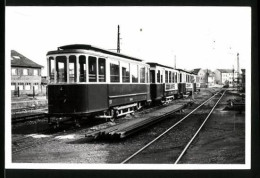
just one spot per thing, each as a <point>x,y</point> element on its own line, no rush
<point>118,39</point>
<point>174,61</point>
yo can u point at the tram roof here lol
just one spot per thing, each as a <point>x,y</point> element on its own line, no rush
<point>153,64</point>
<point>90,47</point>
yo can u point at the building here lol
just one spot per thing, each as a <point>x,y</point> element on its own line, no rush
<point>225,76</point>
<point>243,79</point>
<point>201,76</point>
<point>25,75</point>
<point>211,79</point>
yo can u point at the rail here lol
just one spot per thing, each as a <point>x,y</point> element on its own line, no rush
<point>177,123</point>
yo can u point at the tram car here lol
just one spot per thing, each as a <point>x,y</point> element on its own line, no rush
<point>85,80</point>
<point>187,83</point>
<point>164,82</point>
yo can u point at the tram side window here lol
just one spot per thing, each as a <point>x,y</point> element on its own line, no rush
<point>101,70</point>
<point>114,71</point>
<point>180,78</point>
<point>134,72</point>
<point>142,75</point>
<point>146,75</point>
<point>125,72</point>
<point>82,68</point>
<point>72,69</point>
<point>152,76</point>
<point>51,69</point>
<point>175,76</point>
<point>61,67</point>
<point>170,77</point>
<point>166,76</point>
<point>92,69</point>
<point>158,76</point>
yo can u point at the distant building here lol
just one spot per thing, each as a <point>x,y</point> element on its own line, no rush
<point>225,76</point>
<point>201,76</point>
<point>25,74</point>
<point>211,79</point>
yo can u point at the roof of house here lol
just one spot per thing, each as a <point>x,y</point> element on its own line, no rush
<point>196,71</point>
<point>225,70</point>
<point>19,60</point>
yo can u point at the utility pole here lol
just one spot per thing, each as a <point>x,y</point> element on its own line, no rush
<point>233,76</point>
<point>174,61</point>
<point>118,39</point>
<point>238,77</point>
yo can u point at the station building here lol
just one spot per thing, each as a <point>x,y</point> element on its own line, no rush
<point>25,75</point>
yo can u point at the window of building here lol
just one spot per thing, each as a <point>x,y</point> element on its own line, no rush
<point>14,71</point>
<point>35,72</point>
<point>25,71</point>
<point>166,76</point>
<point>82,68</point>
<point>21,86</point>
<point>92,69</point>
<point>125,72</point>
<point>114,71</point>
<point>72,69</point>
<point>12,86</point>
<point>158,76</point>
<point>101,70</point>
<point>61,67</point>
<point>142,75</point>
<point>134,73</point>
<point>36,86</point>
<point>27,86</point>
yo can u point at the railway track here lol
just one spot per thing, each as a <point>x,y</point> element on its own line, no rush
<point>179,149</point>
<point>29,117</point>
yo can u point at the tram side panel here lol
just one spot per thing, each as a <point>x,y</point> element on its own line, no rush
<point>77,99</point>
<point>122,94</point>
<point>157,91</point>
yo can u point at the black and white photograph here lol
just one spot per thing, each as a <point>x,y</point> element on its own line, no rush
<point>128,87</point>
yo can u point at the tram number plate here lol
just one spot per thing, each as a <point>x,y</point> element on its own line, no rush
<point>131,99</point>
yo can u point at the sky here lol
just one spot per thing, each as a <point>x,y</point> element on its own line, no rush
<point>199,37</point>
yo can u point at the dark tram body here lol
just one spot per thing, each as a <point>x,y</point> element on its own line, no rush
<point>88,81</point>
<point>164,82</point>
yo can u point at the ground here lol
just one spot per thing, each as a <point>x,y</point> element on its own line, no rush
<point>222,141</point>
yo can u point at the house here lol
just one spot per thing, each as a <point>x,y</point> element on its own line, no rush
<point>25,75</point>
<point>201,76</point>
<point>225,76</point>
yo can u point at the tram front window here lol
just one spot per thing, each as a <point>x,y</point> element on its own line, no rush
<point>72,69</point>
<point>51,69</point>
<point>61,69</point>
<point>82,69</point>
